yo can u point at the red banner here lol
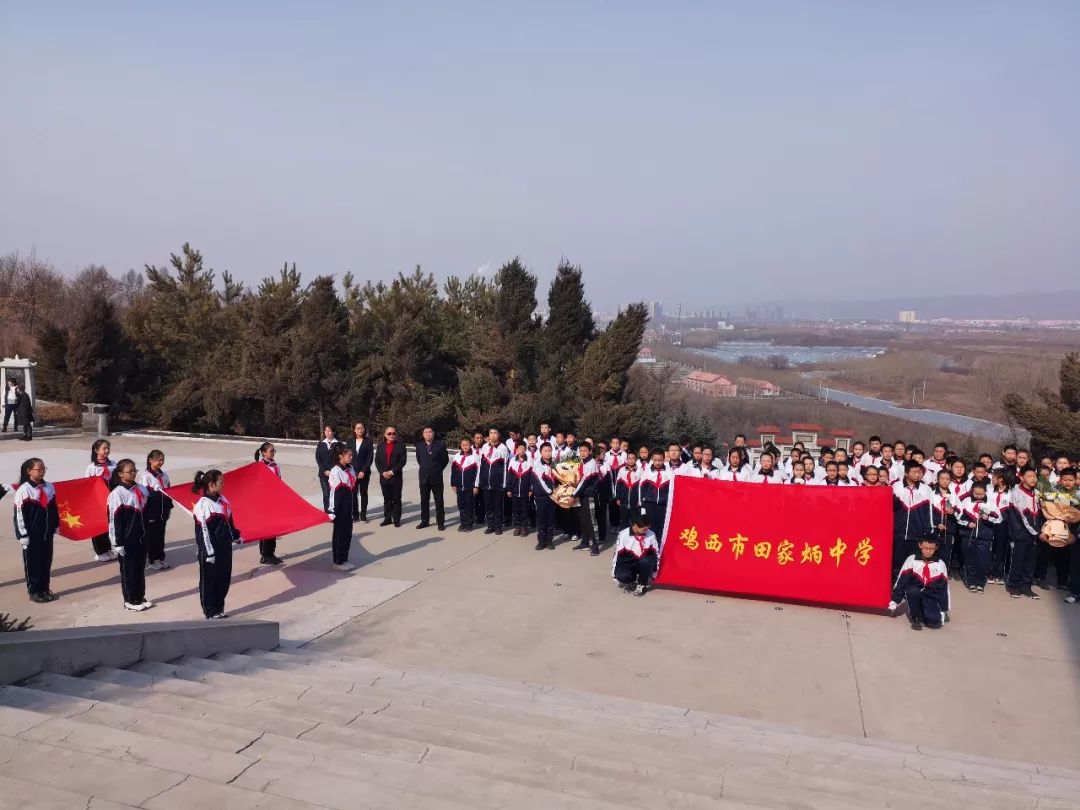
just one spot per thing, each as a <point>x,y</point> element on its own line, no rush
<point>263,505</point>
<point>83,504</point>
<point>802,543</point>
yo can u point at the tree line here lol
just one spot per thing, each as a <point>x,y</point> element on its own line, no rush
<point>183,348</point>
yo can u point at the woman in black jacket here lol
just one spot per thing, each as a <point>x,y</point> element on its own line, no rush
<point>24,415</point>
<point>363,454</point>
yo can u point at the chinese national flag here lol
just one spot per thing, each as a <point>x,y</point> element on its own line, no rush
<point>263,505</point>
<point>83,507</point>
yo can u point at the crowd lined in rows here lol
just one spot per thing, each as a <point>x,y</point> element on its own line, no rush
<point>982,524</point>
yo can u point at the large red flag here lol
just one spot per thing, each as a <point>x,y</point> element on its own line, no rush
<point>263,505</point>
<point>831,545</point>
<point>83,507</point>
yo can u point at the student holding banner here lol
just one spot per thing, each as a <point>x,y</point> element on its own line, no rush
<point>101,467</point>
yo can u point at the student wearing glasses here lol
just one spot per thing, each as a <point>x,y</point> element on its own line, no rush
<point>389,462</point>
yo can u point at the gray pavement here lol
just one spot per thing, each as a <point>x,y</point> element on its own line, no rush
<point>1001,680</point>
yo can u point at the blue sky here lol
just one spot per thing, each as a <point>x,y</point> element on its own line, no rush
<point>709,153</point>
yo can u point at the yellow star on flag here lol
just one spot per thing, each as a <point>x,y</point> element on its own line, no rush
<point>72,521</point>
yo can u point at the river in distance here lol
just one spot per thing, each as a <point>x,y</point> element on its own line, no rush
<point>796,355</point>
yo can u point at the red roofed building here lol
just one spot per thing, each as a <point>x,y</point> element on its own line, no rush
<point>810,434</point>
<point>710,385</point>
<point>760,388</point>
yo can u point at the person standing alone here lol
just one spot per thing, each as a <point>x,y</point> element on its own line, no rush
<point>24,414</point>
<point>324,459</point>
<point>390,461</point>
<point>11,399</point>
<point>431,458</point>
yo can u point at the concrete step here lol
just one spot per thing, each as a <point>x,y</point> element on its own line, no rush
<point>128,718</point>
<point>128,746</point>
<point>683,775</point>
<point>16,794</point>
<point>812,752</point>
<point>167,703</point>
<point>53,773</point>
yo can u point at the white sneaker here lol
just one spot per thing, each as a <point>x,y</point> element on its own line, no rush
<point>1072,599</point>
<point>138,608</point>
<point>639,590</point>
<point>102,557</point>
<point>113,555</point>
<point>147,604</point>
<point>345,566</point>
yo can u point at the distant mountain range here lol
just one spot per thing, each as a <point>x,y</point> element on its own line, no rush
<point>1038,304</point>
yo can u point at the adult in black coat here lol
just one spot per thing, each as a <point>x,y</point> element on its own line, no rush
<point>431,458</point>
<point>24,414</point>
<point>363,456</point>
<point>324,458</point>
<point>390,461</point>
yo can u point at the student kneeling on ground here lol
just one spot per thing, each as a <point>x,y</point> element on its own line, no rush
<point>924,584</point>
<point>634,562</point>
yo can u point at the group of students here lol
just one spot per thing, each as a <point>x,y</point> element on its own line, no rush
<point>138,510</point>
<point>982,526</point>
<point>984,523</point>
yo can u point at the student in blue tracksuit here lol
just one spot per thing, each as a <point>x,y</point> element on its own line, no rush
<point>588,480</point>
<point>463,470</point>
<point>923,582</point>
<point>912,513</point>
<point>215,533</point>
<point>491,480</point>
<point>36,520</point>
<point>543,485</point>
<point>1025,529</point>
<point>655,481</point>
<point>519,489</point>
<point>976,519</point>
<point>159,506</point>
<point>127,534</point>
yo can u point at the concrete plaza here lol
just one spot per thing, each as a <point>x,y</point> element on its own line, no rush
<point>1001,680</point>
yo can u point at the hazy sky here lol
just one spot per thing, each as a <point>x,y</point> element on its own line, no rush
<point>708,152</point>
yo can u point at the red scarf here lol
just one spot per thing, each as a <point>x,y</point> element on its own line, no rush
<point>389,450</point>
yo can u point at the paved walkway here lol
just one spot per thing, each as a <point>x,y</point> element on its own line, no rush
<point>1002,680</point>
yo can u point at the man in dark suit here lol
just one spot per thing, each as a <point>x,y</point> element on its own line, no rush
<point>325,460</point>
<point>363,455</point>
<point>390,461</point>
<point>431,458</point>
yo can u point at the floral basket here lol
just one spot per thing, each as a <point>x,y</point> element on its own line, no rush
<point>568,473</point>
<point>1060,512</point>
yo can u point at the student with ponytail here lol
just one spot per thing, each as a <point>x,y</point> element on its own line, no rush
<point>127,534</point>
<point>159,506</point>
<point>342,487</point>
<point>268,547</point>
<point>101,467</point>
<point>36,520</point>
<point>215,534</point>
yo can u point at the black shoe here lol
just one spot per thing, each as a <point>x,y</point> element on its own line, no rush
<point>489,530</point>
<point>461,527</point>
<point>498,531</point>
<point>916,624</point>
<point>441,527</point>
<point>397,524</point>
<point>363,518</point>
<point>540,546</point>
<point>1045,586</point>
<point>1013,592</point>
<point>52,597</point>
<point>595,550</point>
<point>422,525</point>
<point>934,625</point>
<point>40,598</point>
<point>581,545</point>
<point>273,559</point>
<point>386,522</point>
<point>1030,594</point>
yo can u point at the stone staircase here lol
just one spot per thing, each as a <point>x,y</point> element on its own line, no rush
<point>277,730</point>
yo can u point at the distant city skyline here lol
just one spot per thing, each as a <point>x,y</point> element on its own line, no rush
<point>742,153</point>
